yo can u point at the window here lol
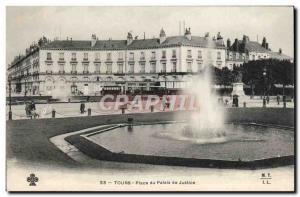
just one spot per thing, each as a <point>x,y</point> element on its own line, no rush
<point>85,56</point>
<point>61,56</point>
<point>142,65</point>
<point>120,68</point>
<point>153,55</point>
<point>49,69</point>
<point>131,56</point>
<point>49,56</point>
<point>189,67</point>
<point>97,67</point>
<point>108,68</point>
<point>74,68</point>
<point>163,56</point>
<point>61,68</point>
<point>85,68</point>
<point>131,68</point>
<point>73,56</point>
<point>153,67</point>
<point>174,53</point>
<point>200,54</point>
<point>108,56</point>
<point>219,55</point>
<point>174,67</point>
<point>142,55</point>
<point>164,67</point>
<point>120,55</point>
<point>189,53</point>
<point>97,56</point>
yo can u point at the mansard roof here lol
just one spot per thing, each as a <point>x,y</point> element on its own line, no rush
<point>280,56</point>
<point>249,46</point>
<point>172,41</point>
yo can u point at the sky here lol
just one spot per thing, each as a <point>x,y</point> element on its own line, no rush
<point>25,25</point>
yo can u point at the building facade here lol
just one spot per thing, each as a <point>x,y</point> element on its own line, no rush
<point>71,67</point>
<point>244,50</point>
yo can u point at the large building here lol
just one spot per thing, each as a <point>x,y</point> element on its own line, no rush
<point>90,67</point>
<point>244,50</point>
<point>93,67</point>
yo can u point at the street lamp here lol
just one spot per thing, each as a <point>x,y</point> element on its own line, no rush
<point>264,75</point>
<point>9,94</point>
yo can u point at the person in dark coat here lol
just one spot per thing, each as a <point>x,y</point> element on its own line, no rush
<point>82,108</point>
<point>278,99</point>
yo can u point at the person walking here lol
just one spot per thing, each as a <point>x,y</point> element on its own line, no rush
<point>27,109</point>
<point>82,108</point>
<point>164,102</point>
<point>33,110</point>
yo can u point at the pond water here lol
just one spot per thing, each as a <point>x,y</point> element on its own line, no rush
<point>236,142</point>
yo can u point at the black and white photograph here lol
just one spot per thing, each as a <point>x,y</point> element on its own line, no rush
<point>150,98</point>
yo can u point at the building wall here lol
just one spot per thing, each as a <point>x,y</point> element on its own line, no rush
<point>51,81</point>
<point>258,56</point>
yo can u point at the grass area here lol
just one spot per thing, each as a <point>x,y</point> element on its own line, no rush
<point>28,140</point>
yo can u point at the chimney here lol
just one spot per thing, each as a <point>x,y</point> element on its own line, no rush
<point>93,40</point>
<point>236,45</point>
<point>245,39</point>
<point>228,43</point>
<point>220,39</point>
<point>187,33</point>
<point>162,36</point>
<point>264,41</point>
<point>129,38</point>
<point>280,51</point>
<point>267,46</point>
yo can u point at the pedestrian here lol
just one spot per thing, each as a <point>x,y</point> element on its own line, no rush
<point>82,108</point>
<point>268,99</point>
<point>226,102</point>
<point>32,105</point>
<point>27,109</point>
<point>33,110</point>
<point>278,99</point>
<point>168,102</point>
<point>164,102</point>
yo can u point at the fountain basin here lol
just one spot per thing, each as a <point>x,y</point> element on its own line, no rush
<point>243,146</point>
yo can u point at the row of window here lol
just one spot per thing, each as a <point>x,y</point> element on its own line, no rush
<point>131,55</point>
<point>131,67</point>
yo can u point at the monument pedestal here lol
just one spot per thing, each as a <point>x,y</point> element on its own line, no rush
<point>238,89</point>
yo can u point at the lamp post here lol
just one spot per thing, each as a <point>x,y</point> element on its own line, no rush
<point>264,75</point>
<point>9,94</point>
